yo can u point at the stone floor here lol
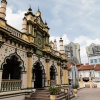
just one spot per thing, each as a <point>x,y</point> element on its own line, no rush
<point>88,94</point>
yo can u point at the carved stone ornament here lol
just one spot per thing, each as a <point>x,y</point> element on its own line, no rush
<point>58,63</point>
<point>29,54</point>
<point>47,60</point>
<point>1,43</point>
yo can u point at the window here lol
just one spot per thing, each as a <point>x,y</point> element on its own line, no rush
<point>91,60</point>
<point>95,60</point>
<point>99,59</point>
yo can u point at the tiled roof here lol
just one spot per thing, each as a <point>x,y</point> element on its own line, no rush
<point>86,67</point>
<point>78,65</point>
<point>97,67</point>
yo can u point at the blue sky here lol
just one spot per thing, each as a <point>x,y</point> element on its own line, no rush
<point>74,20</point>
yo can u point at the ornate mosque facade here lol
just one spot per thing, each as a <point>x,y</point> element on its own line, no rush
<point>27,59</point>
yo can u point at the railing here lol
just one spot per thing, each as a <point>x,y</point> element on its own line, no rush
<point>14,32</point>
<point>9,85</point>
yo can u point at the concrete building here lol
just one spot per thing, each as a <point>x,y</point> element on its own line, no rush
<point>93,53</point>
<point>27,59</point>
<point>73,52</point>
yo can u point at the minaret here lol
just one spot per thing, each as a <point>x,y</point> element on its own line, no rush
<point>24,25</point>
<point>61,45</point>
<point>38,13</point>
<point>3,9</point>
<point>55,45</point>
<point>52,44</point>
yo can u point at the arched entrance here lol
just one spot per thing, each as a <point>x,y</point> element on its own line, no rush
<point>38,75</point>
<point>52,73</point>
<point>12,68</point>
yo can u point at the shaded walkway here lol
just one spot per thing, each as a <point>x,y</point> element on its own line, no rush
<point>88,94</point>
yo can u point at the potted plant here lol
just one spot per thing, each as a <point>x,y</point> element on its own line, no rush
<point>53,92</point>
<point>75,86</point>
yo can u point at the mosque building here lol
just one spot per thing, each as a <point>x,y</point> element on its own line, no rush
<point>28,60</point>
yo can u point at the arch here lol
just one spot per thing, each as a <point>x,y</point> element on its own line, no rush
<point>38,74</point>
<point>53,72</point>
<point>18,57</point>
<point>12,67</point>
<point>40,63</point>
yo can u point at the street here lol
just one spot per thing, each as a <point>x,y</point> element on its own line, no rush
<point>88,94</point>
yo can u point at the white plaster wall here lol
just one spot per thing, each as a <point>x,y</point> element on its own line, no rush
<point>84,73</point>
<point>97,74</point>
<point>35,58</point>
<point>43,63</point>
<point>7,50</point>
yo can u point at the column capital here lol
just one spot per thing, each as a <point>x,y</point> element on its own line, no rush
<point>29,54</point>
<point>24,72</point>
<point>47,60</point>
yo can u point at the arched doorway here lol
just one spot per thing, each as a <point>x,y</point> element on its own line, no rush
<point>12,68</point>
<point>52,73</point>
<point>38,75</point>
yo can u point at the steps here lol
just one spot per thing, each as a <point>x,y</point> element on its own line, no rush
<point>61,96</point>
<point>40,94</point>
<point>43,94</point>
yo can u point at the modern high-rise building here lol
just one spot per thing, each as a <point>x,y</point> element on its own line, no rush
<point>73,52</point>
<point>93,53</point>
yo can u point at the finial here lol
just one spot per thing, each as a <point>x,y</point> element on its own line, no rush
<point>61,37</point>
<point>30,9</point>
<point>4,1</point>
<point>45,22</point>
<point>38,9</point>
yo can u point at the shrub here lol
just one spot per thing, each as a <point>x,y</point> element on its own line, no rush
<point>75,86</point>
<point>54,90</point>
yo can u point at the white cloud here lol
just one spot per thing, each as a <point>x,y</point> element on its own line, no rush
<point>14,19</point>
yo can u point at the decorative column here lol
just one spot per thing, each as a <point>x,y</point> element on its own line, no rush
<point>65,76</point>
<point>24,25</point>
<point>3,9</point>
<point>0,78</point>
<point>58,68</point>
<point>24,80</point>
<point>47,72</point>
<point>29,72</point>
<point>61,45</point>
<point>55,45</point>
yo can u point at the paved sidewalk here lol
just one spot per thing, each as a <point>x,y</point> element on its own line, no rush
<point>88,94</point>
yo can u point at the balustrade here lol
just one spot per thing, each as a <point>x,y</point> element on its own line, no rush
<point>9,85</point>
<point>14,32</point>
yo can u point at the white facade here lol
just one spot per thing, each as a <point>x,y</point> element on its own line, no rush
<point>97,74</point>
<point>94,60</point>
<point>86,73</point>
<point>93,53</point>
